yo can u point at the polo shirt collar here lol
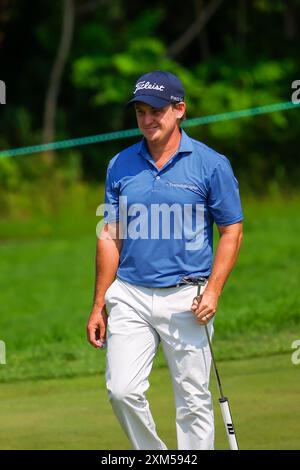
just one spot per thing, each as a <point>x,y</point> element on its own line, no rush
<point>185,146</point>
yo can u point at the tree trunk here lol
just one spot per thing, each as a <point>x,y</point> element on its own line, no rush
<point>191,33</point>
<point>290,28</point>
<point>202,37</point>
<point>56,75</point>
<point>241,21</point>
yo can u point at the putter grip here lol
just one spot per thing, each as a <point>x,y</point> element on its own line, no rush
<point>224,404</point>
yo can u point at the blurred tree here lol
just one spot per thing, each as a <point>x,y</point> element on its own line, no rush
<point>56,75</point>
<point>230,55</point>
<point>290,15</point>
<point>203,15</point>
<point>5,12</point>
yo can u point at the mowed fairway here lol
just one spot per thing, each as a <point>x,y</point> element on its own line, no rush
<point>46,287</point>
<point>75,413</point>
<point>52,393</point>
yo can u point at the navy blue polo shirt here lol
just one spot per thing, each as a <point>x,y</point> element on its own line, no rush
<point>167,214</point>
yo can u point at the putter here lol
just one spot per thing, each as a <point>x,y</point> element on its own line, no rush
<point>224,403</point>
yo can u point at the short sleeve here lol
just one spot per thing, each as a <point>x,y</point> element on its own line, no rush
<point>111,198</point>
<point>224,199</point>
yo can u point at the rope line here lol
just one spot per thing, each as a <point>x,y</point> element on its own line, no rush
<point>110,136</point>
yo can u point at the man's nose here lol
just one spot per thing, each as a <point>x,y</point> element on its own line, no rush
<point>148,118</point>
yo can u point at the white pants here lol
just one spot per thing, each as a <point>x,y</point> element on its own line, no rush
<point>139,318</point>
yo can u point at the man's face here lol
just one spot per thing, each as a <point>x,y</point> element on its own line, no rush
<point>157,124</point>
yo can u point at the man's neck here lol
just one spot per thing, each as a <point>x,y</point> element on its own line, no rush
<point>162,151</point>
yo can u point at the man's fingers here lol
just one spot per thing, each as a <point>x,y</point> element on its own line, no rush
<point>103,335</point>
<point>96,328</point>
<point>202,310</point>
<point>196,302</point>
<point>93,336</point>
<point>205,316</point>
<point>94,342</point>
<point>102,329</point>
<point>199,308</point>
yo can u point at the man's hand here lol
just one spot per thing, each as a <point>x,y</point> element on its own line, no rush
<point>205,306</point>
<point>96,327</point>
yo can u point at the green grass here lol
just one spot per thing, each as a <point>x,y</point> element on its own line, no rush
<point>75,413</point>
<point>46,283</point>
<point>47,276</point>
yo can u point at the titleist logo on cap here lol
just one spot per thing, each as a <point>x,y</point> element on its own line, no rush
<point>147,85</point>
<point>157,89</point>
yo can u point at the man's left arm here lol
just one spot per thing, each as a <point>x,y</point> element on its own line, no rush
<point>225,258</point>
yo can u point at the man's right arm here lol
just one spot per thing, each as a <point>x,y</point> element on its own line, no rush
<point>107,261</point>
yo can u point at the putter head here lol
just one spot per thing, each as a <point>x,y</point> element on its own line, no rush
<point>194,281</point>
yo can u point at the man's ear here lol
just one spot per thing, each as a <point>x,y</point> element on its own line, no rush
<point>180,108</point>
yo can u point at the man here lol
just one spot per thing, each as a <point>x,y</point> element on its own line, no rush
<point>163,195</point>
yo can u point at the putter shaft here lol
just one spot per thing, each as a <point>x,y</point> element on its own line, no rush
<point>224,403</point>
<point>211,351</point>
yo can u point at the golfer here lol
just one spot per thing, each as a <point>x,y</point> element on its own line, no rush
<point>163,195</point>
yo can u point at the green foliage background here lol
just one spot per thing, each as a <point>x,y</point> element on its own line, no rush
<point>247,55</point>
